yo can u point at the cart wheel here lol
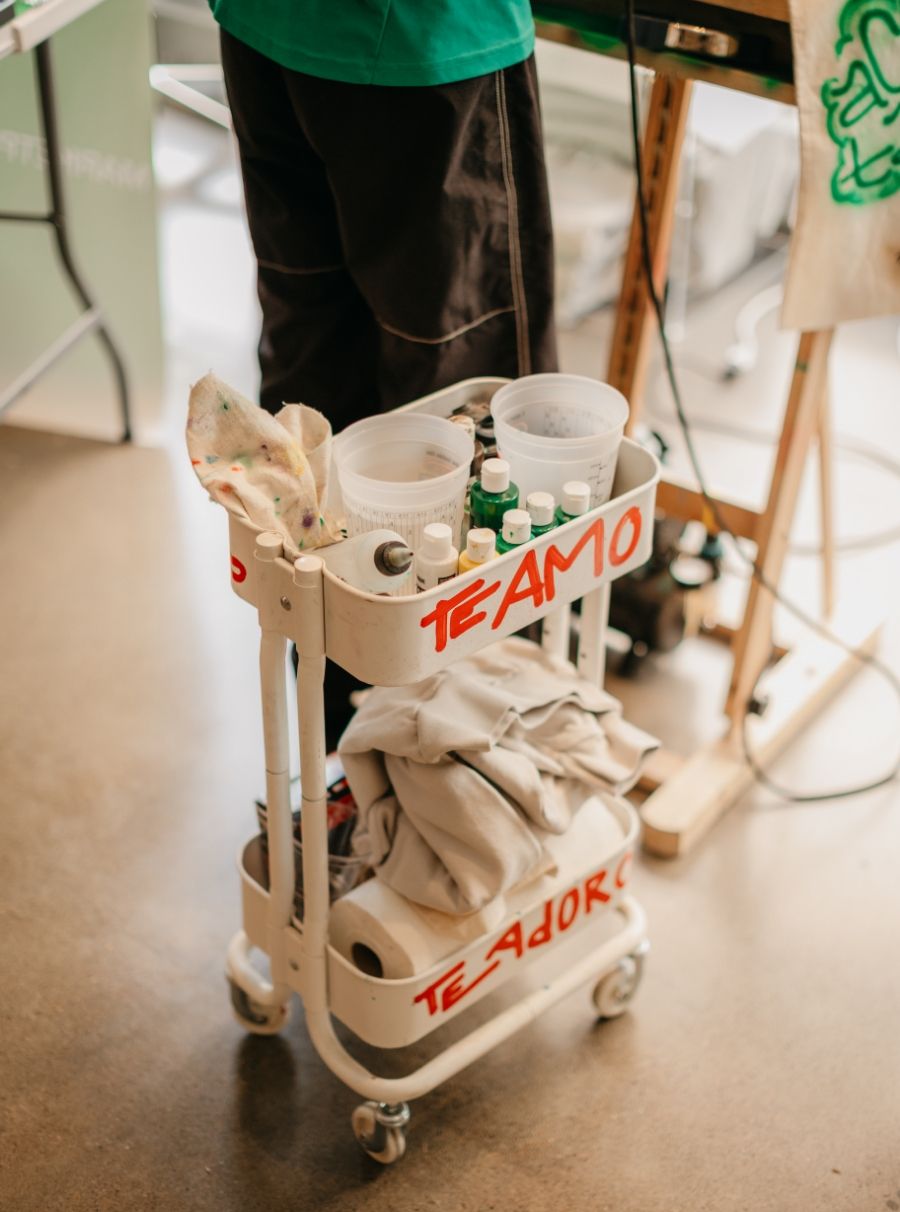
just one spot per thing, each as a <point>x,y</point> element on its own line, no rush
<point>614,991</point>
<point>380,1130</point>
<point>255,1018</point>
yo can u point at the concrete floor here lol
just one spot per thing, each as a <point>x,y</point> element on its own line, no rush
<point>758,1069</point>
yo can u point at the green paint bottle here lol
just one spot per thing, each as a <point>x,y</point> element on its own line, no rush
<point>516,530</point>
<point>576,500</point>
<point>492,495</point>
<point>541,506</point>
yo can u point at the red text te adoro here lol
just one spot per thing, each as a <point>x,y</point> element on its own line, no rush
<point>560,914</point>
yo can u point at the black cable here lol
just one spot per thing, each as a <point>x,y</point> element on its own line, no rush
<point>863,657</point>
<point>846,445</point>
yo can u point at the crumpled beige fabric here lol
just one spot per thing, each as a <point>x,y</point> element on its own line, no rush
<point>270,469</point>
<point>845,250</point>
<point>457,777</point>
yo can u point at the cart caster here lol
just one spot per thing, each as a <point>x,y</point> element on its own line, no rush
<point>255,1018</point>
<point>380,1129</point>
<point>614,991</point>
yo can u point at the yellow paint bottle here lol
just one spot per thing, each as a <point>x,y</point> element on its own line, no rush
<point>481,546</point>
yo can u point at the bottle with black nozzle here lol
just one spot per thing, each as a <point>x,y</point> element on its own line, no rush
<point>377,562</point>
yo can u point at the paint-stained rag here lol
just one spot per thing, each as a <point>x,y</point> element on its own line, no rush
<point>270,469</point>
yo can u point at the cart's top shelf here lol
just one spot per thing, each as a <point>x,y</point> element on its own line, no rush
<point>395,641</point>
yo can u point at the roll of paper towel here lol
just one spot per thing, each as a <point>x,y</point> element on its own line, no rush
<point>386,935</point>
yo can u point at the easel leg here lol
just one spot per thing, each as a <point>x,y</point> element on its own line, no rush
<point>826,502</point>
<point>752,644</point>
<point>660,154</point>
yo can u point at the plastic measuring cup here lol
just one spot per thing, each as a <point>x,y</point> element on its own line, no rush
<point>400,471</point>
<point>552,428</point>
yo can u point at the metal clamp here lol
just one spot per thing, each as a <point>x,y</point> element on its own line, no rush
<point>697,40</point>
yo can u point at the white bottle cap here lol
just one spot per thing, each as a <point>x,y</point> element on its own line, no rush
<point>541,506</point>
<point>576,498</point>
<point>516,526</point>
<point>481,544</point>
<point>437,541</point>
<point>495,475</point>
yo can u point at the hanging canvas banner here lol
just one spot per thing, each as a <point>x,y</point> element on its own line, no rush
<point>845,255</point>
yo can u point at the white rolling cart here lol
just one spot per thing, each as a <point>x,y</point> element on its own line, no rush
<point>396,641</point>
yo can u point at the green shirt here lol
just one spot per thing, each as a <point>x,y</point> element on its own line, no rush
<point>409,42</point>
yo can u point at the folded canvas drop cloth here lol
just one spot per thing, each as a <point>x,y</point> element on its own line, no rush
<point>270,469</point>
<point>458,777</point>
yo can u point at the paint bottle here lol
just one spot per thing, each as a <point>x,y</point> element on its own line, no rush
<point>437,558</point>
<point>541,506</point>
<point>377,562</point>
<point>576,500</point>
<point>516,530</point>
<point>481,546</point>
<point>492,495</point>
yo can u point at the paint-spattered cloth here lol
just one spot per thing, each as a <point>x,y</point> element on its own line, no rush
<point>270,469</point>
<point>845,253</point>
<point>458,777</point>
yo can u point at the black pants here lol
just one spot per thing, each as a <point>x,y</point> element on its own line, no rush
<point>402,237</point>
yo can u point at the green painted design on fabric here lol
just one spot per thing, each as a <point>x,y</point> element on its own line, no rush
<point>863,103</point>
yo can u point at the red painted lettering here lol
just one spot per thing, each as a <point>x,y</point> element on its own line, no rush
<point>511,941</point>
<point>623,870</point>
<point>238,571</point>
<point>554,559</point>
<point>454,615</point>
<point>544,932</point>
<point>454,992</point>
<point>527,571</point>
<point>593,890</point>
<point>462,619</point>
<point>568,909</point>
<point>429,995</point>
<point>631,517</point>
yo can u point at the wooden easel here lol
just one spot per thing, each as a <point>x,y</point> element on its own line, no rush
<point>690,795</point>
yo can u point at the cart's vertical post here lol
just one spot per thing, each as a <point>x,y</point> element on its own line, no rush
<point>276,738</point>
<point>309,580</point>
<point>592,635</point>
<point>555,632</point>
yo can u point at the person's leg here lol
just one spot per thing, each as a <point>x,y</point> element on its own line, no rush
<point>443,212</point>
<point>318,342</point>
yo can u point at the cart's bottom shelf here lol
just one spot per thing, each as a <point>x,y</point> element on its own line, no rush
<point>578,908</point>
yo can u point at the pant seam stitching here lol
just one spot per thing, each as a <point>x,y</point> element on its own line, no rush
<point>450,336</point>
<point>520,305</point>
<point>287,269</point>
